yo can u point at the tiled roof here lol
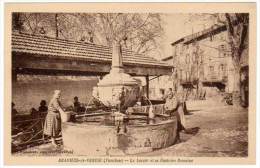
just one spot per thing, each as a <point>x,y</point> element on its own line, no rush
<point>41,45</point>
<point>201,35</point>
<point>215,29</point>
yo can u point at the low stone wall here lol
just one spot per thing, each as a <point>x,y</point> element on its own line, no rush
<point>99,140</point>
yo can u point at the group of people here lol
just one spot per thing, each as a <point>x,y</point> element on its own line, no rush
<point>52,112</point>
<point>42,109</point>
<point>52,125</point>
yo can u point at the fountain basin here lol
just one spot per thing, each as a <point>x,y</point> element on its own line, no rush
<point>94,138</point>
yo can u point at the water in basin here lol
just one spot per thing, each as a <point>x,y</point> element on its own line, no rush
<point>108,119</point>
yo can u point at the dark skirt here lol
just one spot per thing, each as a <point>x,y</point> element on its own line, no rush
<point>175,113</point>
<point>52,125</point>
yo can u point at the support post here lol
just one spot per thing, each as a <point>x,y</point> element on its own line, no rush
<point>147,85</point>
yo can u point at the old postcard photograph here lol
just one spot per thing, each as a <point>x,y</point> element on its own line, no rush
<point>130,83</point>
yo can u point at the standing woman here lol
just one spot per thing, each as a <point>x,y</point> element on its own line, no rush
<point>172,107</point>
<point>52,125</point>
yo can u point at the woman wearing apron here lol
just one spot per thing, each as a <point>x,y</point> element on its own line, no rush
<point>52,125</point>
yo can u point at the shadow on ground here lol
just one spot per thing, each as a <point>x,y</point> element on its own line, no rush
<point>189,133</point>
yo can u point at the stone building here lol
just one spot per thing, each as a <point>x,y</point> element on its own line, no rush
<point>203,63</point>
<point>202,66</point>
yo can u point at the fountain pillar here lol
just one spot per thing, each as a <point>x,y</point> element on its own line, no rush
<point>117,60</point>
<point>117,82</point>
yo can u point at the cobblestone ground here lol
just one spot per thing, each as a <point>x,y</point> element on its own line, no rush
<point>223,132</point>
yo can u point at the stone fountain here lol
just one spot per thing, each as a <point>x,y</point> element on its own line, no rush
<point>117,82</point>
<point>98,135</point>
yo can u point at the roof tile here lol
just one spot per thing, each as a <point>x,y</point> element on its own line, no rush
<point>41,45</point>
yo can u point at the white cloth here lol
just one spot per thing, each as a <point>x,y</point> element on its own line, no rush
<point>182,116</point>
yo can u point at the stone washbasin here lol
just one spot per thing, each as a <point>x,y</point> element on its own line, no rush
<point>98,136</point>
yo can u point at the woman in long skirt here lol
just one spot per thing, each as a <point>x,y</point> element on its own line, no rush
<point>173,108</point>
<point>52,125</point>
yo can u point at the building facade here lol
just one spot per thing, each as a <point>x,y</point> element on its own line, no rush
<point>203,66</point>
<point>203,62</point>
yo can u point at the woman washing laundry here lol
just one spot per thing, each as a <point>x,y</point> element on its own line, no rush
<point>52,125</point>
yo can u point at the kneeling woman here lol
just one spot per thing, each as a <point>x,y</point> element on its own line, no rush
<point>52,125</point>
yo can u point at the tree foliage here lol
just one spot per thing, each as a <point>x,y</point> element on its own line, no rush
<point>237,30</point>
<point>237,26</point>
<point>138,32</point>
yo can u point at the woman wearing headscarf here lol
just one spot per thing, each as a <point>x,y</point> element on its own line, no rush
<point>173,108</point>
<point>52,125</point>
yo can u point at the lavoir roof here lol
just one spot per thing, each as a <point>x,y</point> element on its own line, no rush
<point>40,54</point>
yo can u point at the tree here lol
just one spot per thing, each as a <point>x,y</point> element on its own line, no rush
<point>17,23</point>
<point>135,31</point>
<point>237,28</point>
<point>237,31</point>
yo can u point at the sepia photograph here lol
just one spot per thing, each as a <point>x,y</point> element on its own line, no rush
<point>158,87</point>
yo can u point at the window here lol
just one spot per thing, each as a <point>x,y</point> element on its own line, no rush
<point>181,74</point>
<point>222,67</point>
<point>222,50</point>
<point>211,68</point>
<point>187,75</point>
<point>222,47</point>
<point>162,91</point>
<point>201,58</point>
<point>187,60</point>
